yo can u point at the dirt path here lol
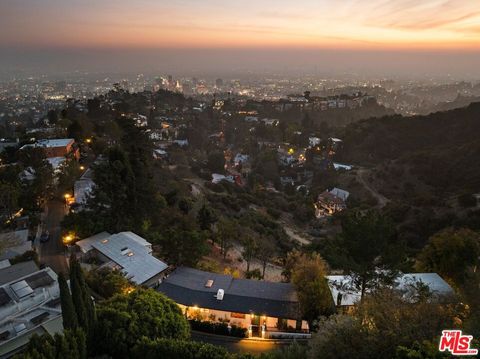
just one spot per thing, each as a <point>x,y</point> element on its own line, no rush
<point>362,177</point>
<point>295,236</point>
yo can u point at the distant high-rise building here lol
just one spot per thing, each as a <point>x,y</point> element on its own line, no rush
<point>218,82</point>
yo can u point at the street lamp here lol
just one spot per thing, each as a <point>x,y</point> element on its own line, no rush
<point>67,239</point>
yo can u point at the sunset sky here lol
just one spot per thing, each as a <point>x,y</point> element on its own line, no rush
<point>363,25</point>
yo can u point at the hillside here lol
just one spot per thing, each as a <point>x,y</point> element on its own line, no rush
<point>442,149</point>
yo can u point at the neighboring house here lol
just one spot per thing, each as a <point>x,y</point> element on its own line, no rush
<point>240,159</point>
<point>314,141</point>
<point>217,178</point>
<point>340,166</point>
<point>160,154</point>
<point>126,252</point>
<point>60,147</point>
<point>331,202</point>
<point>243,302</point>
<point>14,244</point>
<point>29,304</point>
<point>82,188</point>
<point>345,297</point>
<point>270,121</point>
<point>181,143</point>
<point>336,143</point>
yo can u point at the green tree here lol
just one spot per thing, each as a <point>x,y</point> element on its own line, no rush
<point>250,247</point>
<point>52,117</point>
<point>216,162</point>
<point>106,282</point>
<point>341,337</point>
<point>392,318</point>
<point>206,217</point>
<point>113,196</point>
<point>308,277</point>
<point>368,249</point>
<point>185,205</point>
<point>451,253</point>
<point>265,252</point>
<point>75,130</point>
<point>9,196</point>
<point>126,318</point>
<point>68,310</point>
<point>178,349</point>
<point>70,345</point>
<point>227,232</point>
<point>420,350</point>
<point>81,296</point>
<point>183,247</point>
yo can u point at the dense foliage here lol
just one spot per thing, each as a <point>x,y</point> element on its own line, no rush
<point>124,319</point>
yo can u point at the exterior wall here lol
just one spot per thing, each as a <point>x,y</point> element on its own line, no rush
<point>62,151</point>
<point>234,318</point>
<point>154,281</point>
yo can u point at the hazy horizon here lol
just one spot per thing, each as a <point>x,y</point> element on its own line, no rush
<point>431,38</point>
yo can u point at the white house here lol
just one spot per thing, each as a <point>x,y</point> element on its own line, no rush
<point>15,243</point>
<point>344,295</point>
<point>126,252</point>
<point>29,304</point>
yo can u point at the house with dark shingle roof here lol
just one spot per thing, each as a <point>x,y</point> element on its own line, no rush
<point>246,303</point>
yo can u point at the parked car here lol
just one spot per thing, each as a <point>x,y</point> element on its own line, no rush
<point>44,237</point>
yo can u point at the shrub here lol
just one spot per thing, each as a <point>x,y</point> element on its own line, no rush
<point>25,257</point>
<point>177,349</point>
<point>218,328</point>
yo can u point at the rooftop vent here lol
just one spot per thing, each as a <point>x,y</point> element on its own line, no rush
<point>220,294</point>
<point>125,251</point>
<point>209,283</point>
<point>104,241</point>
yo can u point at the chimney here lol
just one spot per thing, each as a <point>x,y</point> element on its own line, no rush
<point>220,294</point>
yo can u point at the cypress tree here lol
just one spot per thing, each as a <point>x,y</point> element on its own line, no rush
<point>68,310</point>
<point>77,295</point>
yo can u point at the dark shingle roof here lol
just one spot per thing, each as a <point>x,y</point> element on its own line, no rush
<point>187,286</point>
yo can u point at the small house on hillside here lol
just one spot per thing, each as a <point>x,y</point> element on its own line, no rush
<point>331,202</point>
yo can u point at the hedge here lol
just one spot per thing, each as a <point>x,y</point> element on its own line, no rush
<point>217,328</point>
